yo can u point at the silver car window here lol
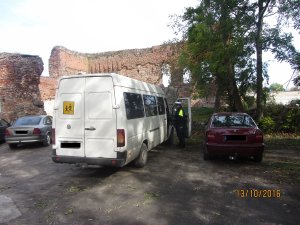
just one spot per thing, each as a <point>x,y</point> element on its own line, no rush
<point>28,121</point>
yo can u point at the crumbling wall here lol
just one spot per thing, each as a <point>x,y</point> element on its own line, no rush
<point>19,85</point>
<point>65,62</point>
<point>47,89</point>
<point>142,64</point>
<point>146,64</point>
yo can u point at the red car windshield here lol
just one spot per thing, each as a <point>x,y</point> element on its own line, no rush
<point>233,121</point>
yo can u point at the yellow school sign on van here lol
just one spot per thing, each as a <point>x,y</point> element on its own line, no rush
<point>69,108</point>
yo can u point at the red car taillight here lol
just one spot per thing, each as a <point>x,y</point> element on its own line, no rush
<point>53,136</point>
<point>36,131</point>
<point>7,133</point>
<point>120,137</point>
<point>259,137</point>
<point>210,136</point>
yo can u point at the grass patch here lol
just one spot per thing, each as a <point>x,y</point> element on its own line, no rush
<point>282,140</point>
<point>130,187</point>
<point>73,189</point>
<point>196,138</point>
<point>40,204</point>
<point>286,171</point>
<point>3,188</point>
<point>69,211</point>
<point>200,117</point>
<point>201,114</point>
<point>150,196</point>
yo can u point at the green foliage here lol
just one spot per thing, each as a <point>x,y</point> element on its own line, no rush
<point>275,87</point>
<point>249,102</point>
<point>297,80</point>
<point>201,115</point>
<point>267,124</point>
<point>289,11</point>
<point>286,118</point>
<point>296,66</point>
<point>216,50</point>
<point>292,119</point>
<point>288,140</point>
<point>221,38</point>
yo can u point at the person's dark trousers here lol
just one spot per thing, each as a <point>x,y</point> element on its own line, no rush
<point>180,135</point>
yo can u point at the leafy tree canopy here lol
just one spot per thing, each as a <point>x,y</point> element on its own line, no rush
<point>275,87</point>
<point>221,38</point>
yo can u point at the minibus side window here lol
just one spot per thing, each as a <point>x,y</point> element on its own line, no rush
<point>150,105</point>
<point>134,105</point>
<point>161,106</point>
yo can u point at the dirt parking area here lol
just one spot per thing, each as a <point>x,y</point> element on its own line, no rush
<point>176,187</point>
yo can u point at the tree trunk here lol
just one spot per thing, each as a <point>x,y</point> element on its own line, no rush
<point>219,93</point>
<point>259,63</point>
<point>237,102</point>
<point>228,64</point>
<point>259,70</point>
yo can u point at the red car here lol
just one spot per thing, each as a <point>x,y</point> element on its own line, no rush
<point>233,134</point>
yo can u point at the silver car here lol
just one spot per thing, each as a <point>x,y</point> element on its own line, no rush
<point>29,129</point>
<point>3,125</point>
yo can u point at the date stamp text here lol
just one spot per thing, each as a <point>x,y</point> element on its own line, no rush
<point>257,193</point>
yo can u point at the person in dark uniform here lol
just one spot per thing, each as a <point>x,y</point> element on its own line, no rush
<point>179,123</point>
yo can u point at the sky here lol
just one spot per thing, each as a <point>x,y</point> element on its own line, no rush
<point>91,26</point>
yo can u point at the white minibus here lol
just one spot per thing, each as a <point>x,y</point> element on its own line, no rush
<point>108,120</point>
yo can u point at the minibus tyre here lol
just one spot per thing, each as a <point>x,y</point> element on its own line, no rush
<point>13,146</point>
<point>141,160</point>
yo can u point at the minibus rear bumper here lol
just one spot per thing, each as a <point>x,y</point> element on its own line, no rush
<point>115,162</point>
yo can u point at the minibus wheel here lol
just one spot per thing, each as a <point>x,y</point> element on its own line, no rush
<point>141,160</point>
<point>13,146</point>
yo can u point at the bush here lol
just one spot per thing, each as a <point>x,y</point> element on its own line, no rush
<point>292,123</point>
<point>267,124</point>
<point>201,114</point>
<point>281,118</point>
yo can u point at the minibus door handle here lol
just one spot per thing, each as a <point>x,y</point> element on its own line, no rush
<point>90,128</point>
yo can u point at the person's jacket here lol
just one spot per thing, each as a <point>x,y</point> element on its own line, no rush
<point>179,117</point>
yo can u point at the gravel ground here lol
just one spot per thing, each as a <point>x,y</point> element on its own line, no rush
<point>176,187</point>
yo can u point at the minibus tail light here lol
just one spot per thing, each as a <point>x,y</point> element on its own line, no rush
<point>53,136</point>
<point>120,137</point>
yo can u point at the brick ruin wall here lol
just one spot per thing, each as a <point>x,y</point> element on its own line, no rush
<point>24,91</point>
<point>142,64</point>
<point>47,89</point>
<point>19,85</point>
<point>66,62</point>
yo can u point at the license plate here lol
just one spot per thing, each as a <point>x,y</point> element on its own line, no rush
<point>69,108</point>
